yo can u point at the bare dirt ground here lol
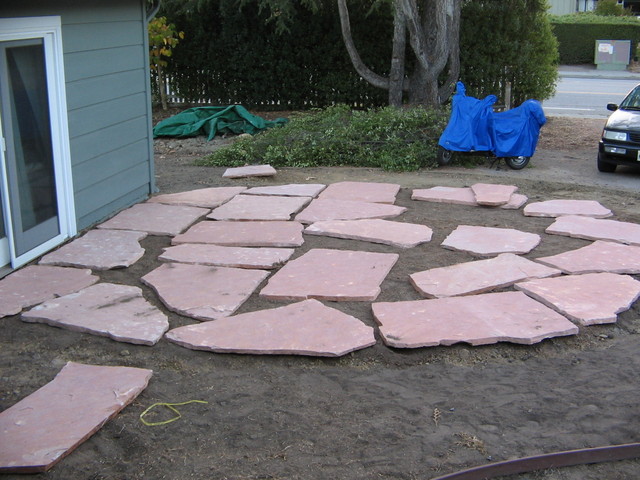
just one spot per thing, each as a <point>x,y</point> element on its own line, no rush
<point>378,412</point>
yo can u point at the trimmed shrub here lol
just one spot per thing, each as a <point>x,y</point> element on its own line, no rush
<point>577,34</point>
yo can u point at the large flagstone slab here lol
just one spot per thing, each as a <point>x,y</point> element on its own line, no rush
<point>361,192</point>
<point>99,250</point>
<point>493,195</point>
<point>596,229</point>
<point>338,275</point>
<point>479,276</point>
<point>462,196</point>
<point>487,241</point>
<point>203,292</point>
<point>43,428</point>
<point>557,208</point>
<point>250,171</point>
<point>238,257</point>
<point>304,328</point>
<point>244,234</point>
<point>397,234</point>
<point>322,210</point>
<point>599,256</point>
<point>476,319</point>
<point>155,218</point>
<point>204,197</point>
<point>589,299</point>
<point>253,207</point>
<point>36,283</point>
<point>289,190</point>
<point>116,311</point>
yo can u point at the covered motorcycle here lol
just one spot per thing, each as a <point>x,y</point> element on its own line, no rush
<point>475,127</point>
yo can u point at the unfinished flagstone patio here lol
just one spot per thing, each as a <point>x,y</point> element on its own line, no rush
<point>34,284</point>
<point>43,428</point>
<point>488,241</point>
<point>239,257</point>
<point>600,256</point>
<point>557,208</point>
<point>479,276</point>
<point>462,196</point>
<point>397,234</point>
<point>252,207</point>
<point>303,328</point>
<point>337,275</point>
<point>590,299</point>
<point>99,250</point>
<point>250,171</point>
<point>115,311</point>
<point>596,229</point>
<point>203,292</point>
<point>493,195</point>
<point>323,210</point>
<point>290,190</point>
<point>204,197</point>
<point>477,319</point>
<point>361,192</point>
<point>155,218</point>
<point>244,234</point>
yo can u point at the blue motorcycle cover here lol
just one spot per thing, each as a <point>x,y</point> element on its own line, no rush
<point>474,126</point>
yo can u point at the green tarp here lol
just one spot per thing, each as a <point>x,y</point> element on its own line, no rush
<point>210,121</point>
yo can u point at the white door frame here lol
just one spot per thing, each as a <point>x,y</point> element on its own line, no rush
<point>50,30</point>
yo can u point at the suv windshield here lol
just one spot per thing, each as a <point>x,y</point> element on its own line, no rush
<point>632,101</point>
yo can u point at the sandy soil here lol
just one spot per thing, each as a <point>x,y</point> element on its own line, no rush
<point>378,412</point>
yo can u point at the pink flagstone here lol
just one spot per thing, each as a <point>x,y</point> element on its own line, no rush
<point>397,234</point>
<point>487,241</point>
<point>254,207</point>
<point>516,201</point>
<point>244,234</point>
<point>462,196</point>
<point>455,195</point>
<point>304,328</point>
<point>155,218</point>
<point>476,319</point>
<point>99,250</point>
<point>557,208</point>
<point>320,210</point>
<point>596,229</point>
<point>589,299</point>
<point>600,256</point>
<point>239,257</point>
<point>491,194</point>
<point>361,192</point>
<point>479,276</point>
<point>250,171</point>
<point>290,190</point>
<point>204,197</point>
<point>43,428</point>
<point>338,275</point>
<point>36,283</point>
<point>203,292</point>
<point>109,310</point>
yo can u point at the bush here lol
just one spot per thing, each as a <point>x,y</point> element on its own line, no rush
<point>611,8</point>
<point>388,138</point>
<point>577,34</point>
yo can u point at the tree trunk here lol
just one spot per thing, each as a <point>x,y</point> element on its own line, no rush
<point>396,72</point>
<point>162,86</point>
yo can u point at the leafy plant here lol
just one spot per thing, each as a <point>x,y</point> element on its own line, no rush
<point>611,8</point>
<point>387,138</point>
<point>163,37</point>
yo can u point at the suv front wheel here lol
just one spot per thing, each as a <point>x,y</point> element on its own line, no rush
<point>604,166</point>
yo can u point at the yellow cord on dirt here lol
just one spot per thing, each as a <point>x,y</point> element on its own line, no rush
<point>170,406</point>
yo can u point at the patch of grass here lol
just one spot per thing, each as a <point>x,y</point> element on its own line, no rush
<point>387,138</point>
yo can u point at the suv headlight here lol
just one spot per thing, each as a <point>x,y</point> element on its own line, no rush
<point>612,135</point>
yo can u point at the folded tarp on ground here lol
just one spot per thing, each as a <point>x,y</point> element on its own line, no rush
<point>210,121</point>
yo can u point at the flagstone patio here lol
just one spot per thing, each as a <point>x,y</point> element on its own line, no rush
<point>488,241</point>
<point>596,229</point>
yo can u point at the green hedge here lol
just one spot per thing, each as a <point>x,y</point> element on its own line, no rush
<point>236,56</point>
<point>577,35</point>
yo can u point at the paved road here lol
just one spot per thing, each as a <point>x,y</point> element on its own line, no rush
<point>587,97</point>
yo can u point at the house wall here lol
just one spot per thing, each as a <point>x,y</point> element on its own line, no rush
<point>108,100</point>
<point>562,7</point>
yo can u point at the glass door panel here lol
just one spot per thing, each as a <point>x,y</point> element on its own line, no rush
<point>29,154</point>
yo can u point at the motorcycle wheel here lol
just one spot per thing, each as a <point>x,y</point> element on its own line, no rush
<point>444,156</point>
<point>517,163</point>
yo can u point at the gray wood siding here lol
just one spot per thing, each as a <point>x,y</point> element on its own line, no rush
<point>108,107</point>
